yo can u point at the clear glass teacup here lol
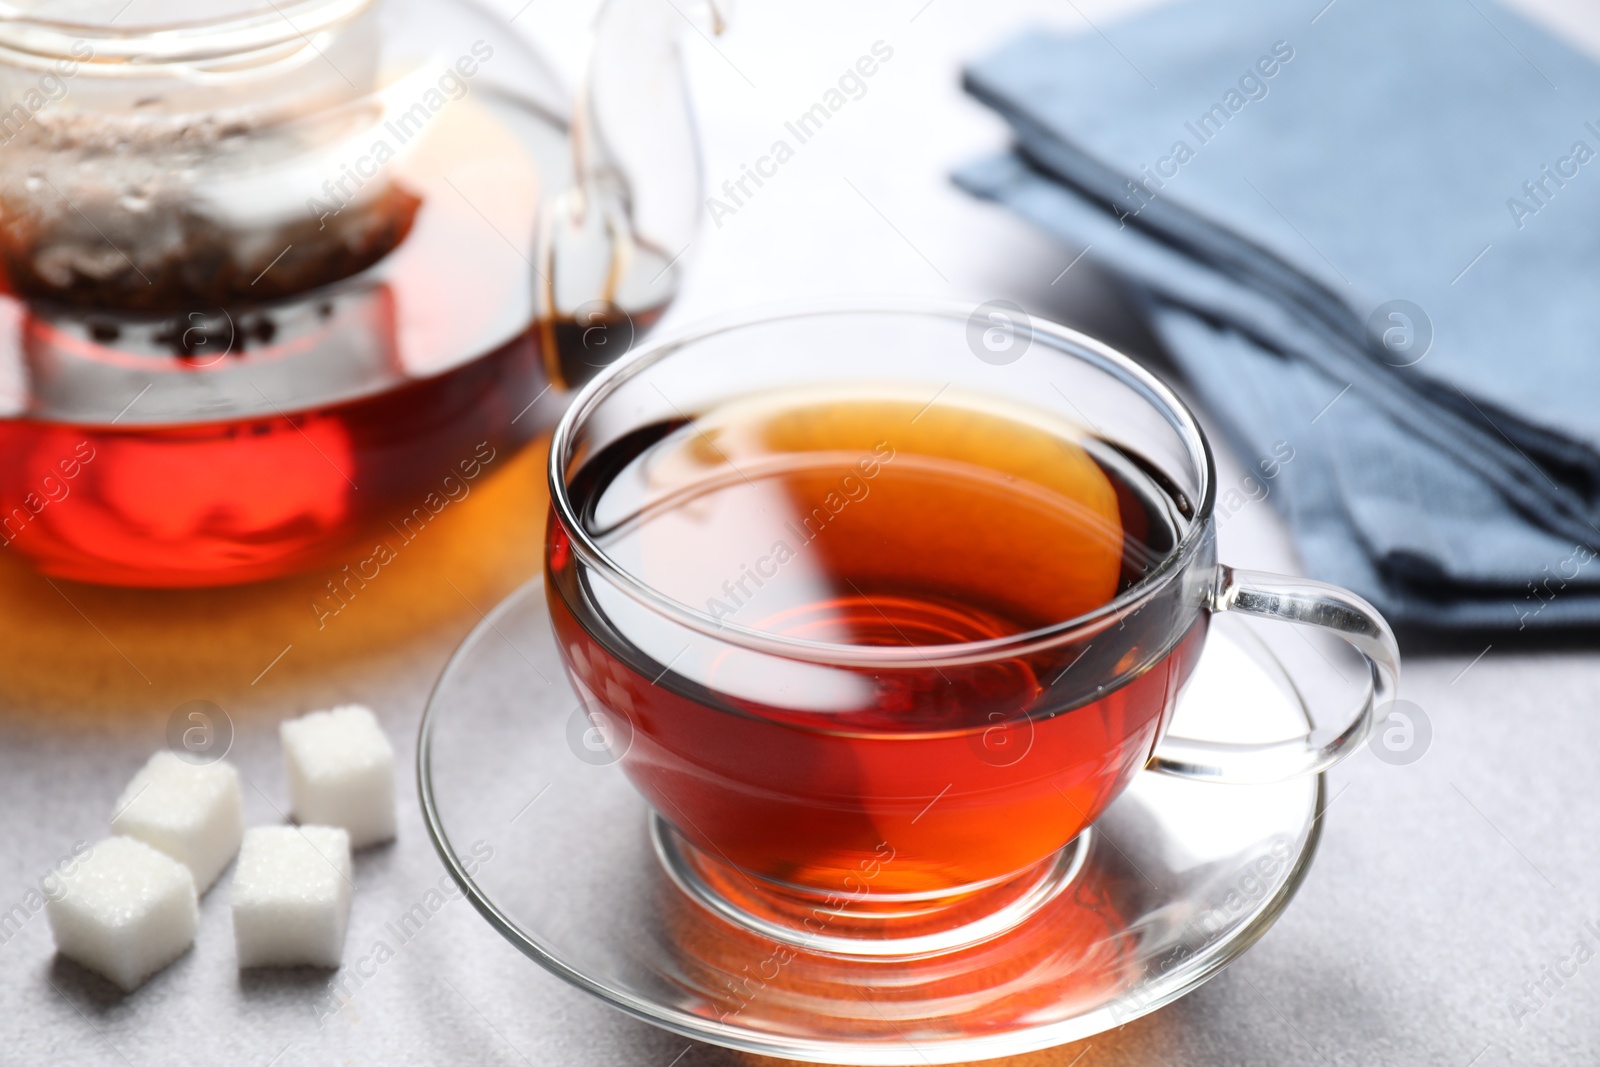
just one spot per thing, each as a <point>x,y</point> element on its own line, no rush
<point>881,607</point>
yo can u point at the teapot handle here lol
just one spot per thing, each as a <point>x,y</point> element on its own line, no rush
<point>613,243</point>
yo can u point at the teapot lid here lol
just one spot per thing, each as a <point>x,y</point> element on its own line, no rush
<point>163,31</point>
<point>137,14</point>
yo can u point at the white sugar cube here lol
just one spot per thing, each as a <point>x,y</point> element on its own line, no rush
<point>291,896</point>
<point>126,910</point>
<point>341,772</point>
<point>194,814</point>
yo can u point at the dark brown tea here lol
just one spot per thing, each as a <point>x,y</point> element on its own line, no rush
<point>868,519</point>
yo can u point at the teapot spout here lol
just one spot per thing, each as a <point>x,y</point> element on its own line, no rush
<point>613,243</point>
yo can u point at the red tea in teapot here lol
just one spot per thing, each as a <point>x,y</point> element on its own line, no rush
<point>186,404</point>
<point>264,281</point>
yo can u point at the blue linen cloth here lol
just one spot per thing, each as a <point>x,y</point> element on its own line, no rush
<point>1370,231</point>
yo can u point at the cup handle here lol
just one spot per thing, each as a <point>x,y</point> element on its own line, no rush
<point>1308,603</point>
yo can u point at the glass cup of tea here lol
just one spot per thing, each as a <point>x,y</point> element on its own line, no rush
<point>881,606</point>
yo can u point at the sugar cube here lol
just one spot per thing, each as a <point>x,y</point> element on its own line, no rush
<point>291,896</point>
<point>125,910</point>
<point>341,772</point>
<point>194,814</point>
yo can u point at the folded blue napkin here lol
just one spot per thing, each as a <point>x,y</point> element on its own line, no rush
<point>1370,232</point>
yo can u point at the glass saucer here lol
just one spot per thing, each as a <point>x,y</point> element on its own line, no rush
<point>555,848</point>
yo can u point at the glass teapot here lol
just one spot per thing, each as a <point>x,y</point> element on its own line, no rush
<point>272,273</point>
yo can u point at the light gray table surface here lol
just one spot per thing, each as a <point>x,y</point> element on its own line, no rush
<point>1445,891</point>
